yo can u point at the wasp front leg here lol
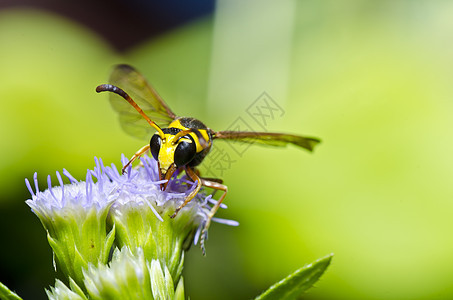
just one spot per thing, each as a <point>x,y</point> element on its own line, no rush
<point>213,183</point>
<point>216,186</point>
<point>137,154</point>
<point>189,198</point>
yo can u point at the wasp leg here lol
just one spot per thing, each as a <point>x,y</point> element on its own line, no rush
<point>195,178</point>
<point>137,154</point>
<point>217,186</point>
<point>207,178</point>
<point>218,180</point>
<point>213,183</point>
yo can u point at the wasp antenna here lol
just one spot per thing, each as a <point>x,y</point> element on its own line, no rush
<point>200,137</point>
<point>120,92</point>
<point>180,135</point>
<point>113,89</point>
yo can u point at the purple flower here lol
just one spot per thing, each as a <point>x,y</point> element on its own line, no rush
<point>83,219</point>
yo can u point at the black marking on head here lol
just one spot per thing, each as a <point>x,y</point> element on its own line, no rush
<point>171,130</point>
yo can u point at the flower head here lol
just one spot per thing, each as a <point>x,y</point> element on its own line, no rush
<point>74,216</point>
<point>84,219</point>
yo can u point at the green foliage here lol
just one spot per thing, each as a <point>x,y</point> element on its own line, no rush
<point>61,292</point>
<point>6,294</point>
<point>77,238</point>
<point>298,282</point>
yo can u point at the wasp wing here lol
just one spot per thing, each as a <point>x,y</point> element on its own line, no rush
<point>269,138</point>
<point>134,84</point>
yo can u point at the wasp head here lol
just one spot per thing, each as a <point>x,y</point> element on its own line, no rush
<point>172,151</point>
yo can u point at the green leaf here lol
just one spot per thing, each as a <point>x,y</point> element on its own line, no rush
<point>298,282</point>
<point>179,293</point>
<point>6,294</point>
<point>63,292</point>
<point>74,287</point>
<point>157,280</point>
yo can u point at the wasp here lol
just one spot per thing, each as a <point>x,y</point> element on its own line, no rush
<point>177,143</point>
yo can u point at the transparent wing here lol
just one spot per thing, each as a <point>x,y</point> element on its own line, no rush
<point>268,138</point>
<point>134,84</point>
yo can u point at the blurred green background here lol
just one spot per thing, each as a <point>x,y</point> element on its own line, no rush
<point>372,79</point>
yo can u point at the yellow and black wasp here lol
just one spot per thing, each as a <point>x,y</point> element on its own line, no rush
<point>180,142</point>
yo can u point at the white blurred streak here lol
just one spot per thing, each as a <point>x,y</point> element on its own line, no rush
<point>251,53</point>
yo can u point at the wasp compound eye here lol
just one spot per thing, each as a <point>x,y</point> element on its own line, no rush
<point>185,152</point>
<point>155,146</point>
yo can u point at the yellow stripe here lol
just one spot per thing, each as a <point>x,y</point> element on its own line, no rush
<point>177,124</point>
<point>204,134</point>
